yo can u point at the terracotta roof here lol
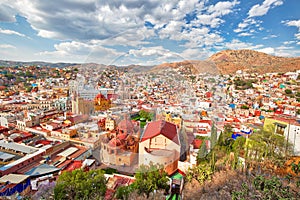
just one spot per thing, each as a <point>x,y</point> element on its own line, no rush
<point>115,142</point>
<point>156,128</point>
<point>126,124</point>
<point>75,164</point>
<point>197,143</point>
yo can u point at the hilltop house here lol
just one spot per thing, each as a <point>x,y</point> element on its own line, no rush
<point>160,144</point>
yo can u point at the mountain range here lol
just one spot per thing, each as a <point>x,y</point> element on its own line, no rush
<point>223,62</point>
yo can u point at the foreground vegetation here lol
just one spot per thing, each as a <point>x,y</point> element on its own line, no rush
<point>253,168</point>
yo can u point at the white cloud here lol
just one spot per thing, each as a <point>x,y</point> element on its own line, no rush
<point>11,32</point>
<point>286,51</point>
<point>7,46</point>
<point>248,22</point>
<point>293,23</point>
<point>153,51</point>
<point>267,50</point>
<point>214,13</point>
<point>255,11</point>
<point>260,10</point>
<point>288,42</point>
<point>7,13</point>
<point>236,44</point>
<point>195,54</point>
<point>129,38</point>
<point>244,34</point>
<point>81,52</point>
<point>222,8</point>
<point>201,38</point>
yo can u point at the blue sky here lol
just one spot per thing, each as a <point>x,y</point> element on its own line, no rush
<point>145,32</point>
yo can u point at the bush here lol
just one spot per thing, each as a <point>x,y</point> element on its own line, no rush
<point>288,91</point>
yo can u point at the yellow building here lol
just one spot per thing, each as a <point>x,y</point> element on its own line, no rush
<point>173,119</point>
<point>276,125</point>
<point>110,124</point>
<point>101,103</point>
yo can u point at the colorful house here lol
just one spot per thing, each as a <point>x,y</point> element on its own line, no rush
<point>160,144</point>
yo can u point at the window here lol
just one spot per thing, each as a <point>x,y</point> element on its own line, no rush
<point>279,128</point>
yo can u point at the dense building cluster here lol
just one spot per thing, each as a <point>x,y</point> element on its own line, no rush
<point>63,120</point>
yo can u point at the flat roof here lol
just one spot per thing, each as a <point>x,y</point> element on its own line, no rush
<point>18,147</point>
<point>68,152</point>
<point>13,178</point>
<point>42,170</point>
<point>6,156</point>
<point>26,157</point>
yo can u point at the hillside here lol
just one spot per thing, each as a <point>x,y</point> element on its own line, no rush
<point>189,66</point>
<point>229,61</point>
<point>223,62</point>
<point>7,63</point>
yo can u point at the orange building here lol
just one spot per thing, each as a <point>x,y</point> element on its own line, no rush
<point>101,103</point>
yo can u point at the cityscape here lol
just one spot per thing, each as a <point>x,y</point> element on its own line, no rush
<point>149,100</point>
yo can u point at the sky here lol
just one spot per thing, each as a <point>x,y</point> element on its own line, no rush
<point>145,32</point>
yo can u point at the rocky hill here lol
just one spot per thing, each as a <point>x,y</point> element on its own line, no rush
<point>189,66</point>
<point>230,61</point>
<point>223,62</point>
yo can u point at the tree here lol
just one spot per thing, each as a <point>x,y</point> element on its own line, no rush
<point>239,144</point>
<point>149,178</point>
<point>202,152</point>
<point>295,167</point>
<point>147,115</point>
<point>123,192</point>
<point>266,145</point>
<point>200,173</point>
<point>214,136</point>
<point>80,185</point>
<point>225,140</point>
<point>288,91</point>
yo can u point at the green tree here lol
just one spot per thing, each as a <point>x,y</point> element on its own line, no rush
<point>266,145</point>
<point>200,173</point>
<point>288,91</point>
<point>239,144</point>
<point>147,115</point>
<point>80,185</point>
<point>123,192</point>
<point>202,152</point>
<point>214,136</point>
<point>225,140</point>
<point>149,178</point>
<point>295,167</point>
<point>28,74</point>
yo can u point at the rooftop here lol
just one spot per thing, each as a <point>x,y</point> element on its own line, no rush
<point>18,147</point>
<point>155,128</point>
<point>13,178</point>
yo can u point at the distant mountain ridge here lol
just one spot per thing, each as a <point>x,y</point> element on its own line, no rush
<point>223,62</point>
<point>130,68</point>
<point>7,63</point>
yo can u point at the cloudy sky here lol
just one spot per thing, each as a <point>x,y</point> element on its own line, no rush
<point>145,31</point>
